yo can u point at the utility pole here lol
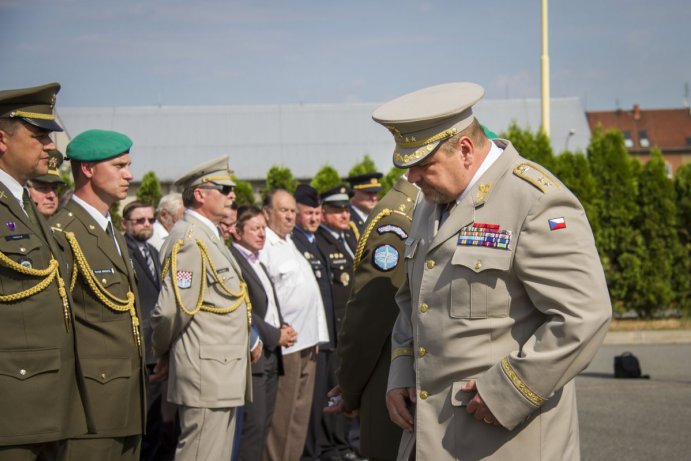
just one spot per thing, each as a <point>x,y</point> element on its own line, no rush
<point>544,61</point>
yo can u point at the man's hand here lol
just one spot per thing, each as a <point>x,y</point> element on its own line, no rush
<point>288,336</point>
<point>397,402</point>
<point>160,370</point>
<point>337,404</point>
<point>256,353</point>
<point>477,406</point>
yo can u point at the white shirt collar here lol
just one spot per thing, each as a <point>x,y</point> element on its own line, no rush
<point>93,212</point>
<point>15,188</point>
<point>494,153</point>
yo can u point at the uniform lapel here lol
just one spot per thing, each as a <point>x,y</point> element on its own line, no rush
<point>11,202</point>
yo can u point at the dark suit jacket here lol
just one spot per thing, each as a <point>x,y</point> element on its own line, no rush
<point>112,362</point>
<point>149,285</point>
<point>269,334</point>
<point>320,267</point>
<point>340,265</point>
<point>40,380</point>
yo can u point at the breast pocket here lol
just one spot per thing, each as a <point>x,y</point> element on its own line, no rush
<point>479,283</point>
<point>24,249</point>
<point>113,283</point>
<point>290,273</point>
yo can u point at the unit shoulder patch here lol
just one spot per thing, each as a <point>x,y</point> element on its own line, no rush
<point>393,229</point>
<point>184,279</point>
<point>385,258</point>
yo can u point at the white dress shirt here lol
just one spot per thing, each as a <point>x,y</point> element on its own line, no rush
<point>297,291</point>
<point>158,237</point>
<point>271,316</point>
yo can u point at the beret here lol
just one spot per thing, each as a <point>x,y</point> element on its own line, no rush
<point>97,145</point>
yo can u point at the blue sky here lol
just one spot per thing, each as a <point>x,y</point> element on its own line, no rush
<point>208,52</point>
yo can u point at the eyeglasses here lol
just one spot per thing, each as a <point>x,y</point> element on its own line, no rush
<point>225,190</point>
<point>142,221</point>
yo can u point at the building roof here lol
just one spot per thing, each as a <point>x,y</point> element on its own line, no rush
<point>668,129</point>
<point>170,140</point>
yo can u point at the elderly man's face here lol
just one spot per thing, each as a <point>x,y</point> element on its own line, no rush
<point>364,200</point>
<point>45,196</point>
<point>281,214</point>
<point>444,175</point>
<point>227,225</point>
<point>309,217</point>
<point>336,218</point>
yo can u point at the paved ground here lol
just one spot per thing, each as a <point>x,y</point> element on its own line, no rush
<point>636,420</point>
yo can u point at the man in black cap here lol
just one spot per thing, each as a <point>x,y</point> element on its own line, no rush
<point>41,400</point>
<point>365,189</point>
<point>43,189</point>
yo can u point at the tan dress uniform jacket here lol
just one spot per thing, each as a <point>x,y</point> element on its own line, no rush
<point>109,353</point>
<point>522,320</point>
<point>209,363</point>
<point>40,380</point>
<point>365,339</point>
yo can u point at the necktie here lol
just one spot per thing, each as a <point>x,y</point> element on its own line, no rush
<point>28,208</point>
<point>345,245</point>
<point>109,231</point>
<point>446,209</point>
<point>149,261</point>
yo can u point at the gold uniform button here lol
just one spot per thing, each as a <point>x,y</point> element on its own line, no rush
<point>431,264</point>
<point>103,376</point>
<point>104,281</point>
<point>424,308</point>
<point>424,395</point>
<point>22,372</point>
<point>421,351</point>
<point>478,265</point>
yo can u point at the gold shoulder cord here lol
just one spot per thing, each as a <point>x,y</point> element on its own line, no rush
<point>48,274</point>
<point>365,235</point>
<point>243,295</point>
<point>111,301</point>
<point>356,231</point>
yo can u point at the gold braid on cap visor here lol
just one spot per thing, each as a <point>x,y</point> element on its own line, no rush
<point>411,141</point>
<point>21,113</point>
<point>216,178</point>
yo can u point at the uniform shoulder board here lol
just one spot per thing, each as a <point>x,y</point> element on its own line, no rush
<point>536,175</point>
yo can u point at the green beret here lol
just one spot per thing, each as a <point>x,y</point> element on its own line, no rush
<point>97,145</point>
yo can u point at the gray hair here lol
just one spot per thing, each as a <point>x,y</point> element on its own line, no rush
<point>170,202</point>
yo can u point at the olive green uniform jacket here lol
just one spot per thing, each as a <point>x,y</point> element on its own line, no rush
<point>523,320</point>
<point>209,364</point>
<point>109,352</point>
<point>365,339</point>
<point>41,386</point>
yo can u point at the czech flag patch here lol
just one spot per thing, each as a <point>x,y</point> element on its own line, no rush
<point>557,223</point>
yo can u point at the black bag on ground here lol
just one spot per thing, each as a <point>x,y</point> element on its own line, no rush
<point>627,365</point>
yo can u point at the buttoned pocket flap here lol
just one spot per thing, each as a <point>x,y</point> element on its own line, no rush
<point>19,244</point>
<point>223,273</point>
<point>28,363</point>
<point>105,370</point>
<point>222,354</point>
<point>482,259</point>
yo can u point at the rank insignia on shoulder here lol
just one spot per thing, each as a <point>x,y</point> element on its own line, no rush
<point>394,229</point>
<point>557,223</point>
<point>485,235</point>
<point>385,258</point>
<point>184,279</point>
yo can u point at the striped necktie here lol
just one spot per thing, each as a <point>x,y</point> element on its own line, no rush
<point>149,260</point>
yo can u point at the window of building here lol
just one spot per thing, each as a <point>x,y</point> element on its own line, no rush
<point>628,142</point>
<point>643,138</point>
<point>688,141</point>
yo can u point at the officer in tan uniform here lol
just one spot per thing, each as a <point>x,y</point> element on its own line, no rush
<point>201,320</point>
<point>505,300</point>
<point>104,289</point>
<point>41,398</point>
<point>365,339</point>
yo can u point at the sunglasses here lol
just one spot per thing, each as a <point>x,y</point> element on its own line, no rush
<point>225,190</point>
<point>142,221</point>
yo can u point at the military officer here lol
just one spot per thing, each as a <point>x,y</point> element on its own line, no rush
<point>202,319</point>
<point>364,345</point>
<point>365,190</point>
<point>41,389</point>
<point>109,340</point>
<point>504,301</point>
<point>43,189</point>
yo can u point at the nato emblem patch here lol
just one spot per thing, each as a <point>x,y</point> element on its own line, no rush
<point>385,258</point>
<point>184,279</point>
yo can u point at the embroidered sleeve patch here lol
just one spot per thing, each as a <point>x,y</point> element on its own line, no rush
<point>394,229</point>
<point>557,223</point>
<point>184,279</point>
<point>385,258</point>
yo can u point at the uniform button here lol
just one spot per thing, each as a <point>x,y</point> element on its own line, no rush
<point>424,308</point>
<point>104,281</point>
<point>424,395</point>
<point>103,376</point>
<point>421,351</point>
<point>478,265</point>
<point>431,264</point>
<point>22,372</point>
<point>22,249</point>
